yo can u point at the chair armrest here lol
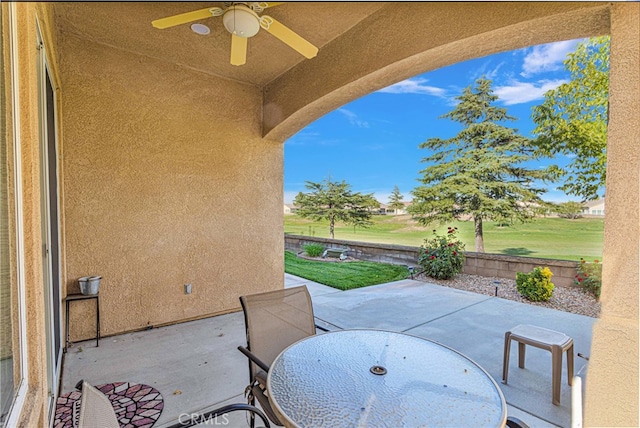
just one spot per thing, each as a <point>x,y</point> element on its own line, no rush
<point>210,416</point>
<point>254,358</point>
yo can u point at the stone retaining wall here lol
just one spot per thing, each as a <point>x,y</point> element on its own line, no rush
<point>483,264</point>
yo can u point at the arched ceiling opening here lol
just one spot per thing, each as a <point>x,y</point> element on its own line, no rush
<point>402,40</point>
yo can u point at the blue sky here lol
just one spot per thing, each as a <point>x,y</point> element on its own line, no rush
<point>372,142</point>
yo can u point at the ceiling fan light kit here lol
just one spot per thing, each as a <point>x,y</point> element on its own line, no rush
<point>242,21</point>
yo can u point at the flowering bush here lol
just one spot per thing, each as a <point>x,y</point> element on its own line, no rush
<point>442,256</point>
<point>589,277</point>
<point>536,285</point>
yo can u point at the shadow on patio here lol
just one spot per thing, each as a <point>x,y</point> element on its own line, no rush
<point>196,365</point>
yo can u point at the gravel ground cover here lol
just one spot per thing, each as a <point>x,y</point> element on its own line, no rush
<point>572,300</point>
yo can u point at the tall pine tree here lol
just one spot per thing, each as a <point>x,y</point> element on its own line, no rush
<point>478,173</point>
<point>395,199</point>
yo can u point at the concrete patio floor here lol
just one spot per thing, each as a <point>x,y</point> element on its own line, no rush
<point>196,365</point>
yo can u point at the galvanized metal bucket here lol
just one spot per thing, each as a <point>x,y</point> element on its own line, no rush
<point>89,285</point>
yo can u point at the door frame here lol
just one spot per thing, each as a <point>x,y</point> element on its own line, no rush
<point>50,209</point>
<point>20,393</point>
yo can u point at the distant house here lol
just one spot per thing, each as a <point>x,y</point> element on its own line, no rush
<point>386,209</point>
<point>290,209</point>
<point>403,210</point>
<point>533,208</point>
<point>382,209</point>
<point>594,207</point>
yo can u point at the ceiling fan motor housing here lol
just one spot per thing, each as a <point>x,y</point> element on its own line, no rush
<point>241,21</point>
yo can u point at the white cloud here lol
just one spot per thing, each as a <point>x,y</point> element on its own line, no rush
<point>547,57</point>
<point>523,92</point>
<point>483,70</point>
<point>491,75</point>
<point>414,86</point>
<point>353,118</point>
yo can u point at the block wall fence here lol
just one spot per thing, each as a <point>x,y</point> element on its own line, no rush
<point>483,264</point>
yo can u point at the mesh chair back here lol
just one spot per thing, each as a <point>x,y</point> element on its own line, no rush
<point>275,320</point>
<point>96,409</point>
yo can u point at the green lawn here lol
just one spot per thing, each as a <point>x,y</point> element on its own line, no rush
<point>553,238</point>
<point>343,275</point>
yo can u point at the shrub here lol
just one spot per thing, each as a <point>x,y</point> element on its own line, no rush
<point>536,285</point>
<point>589,277</point>
<point>571,210</point>
<point>314,250</point>
<point>442,256</point>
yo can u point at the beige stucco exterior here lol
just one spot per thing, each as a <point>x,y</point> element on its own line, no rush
<point>612,387</point>
<point>171,165</point>
<point>156,158</point>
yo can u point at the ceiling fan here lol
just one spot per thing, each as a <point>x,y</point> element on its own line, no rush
<point>243,21</point>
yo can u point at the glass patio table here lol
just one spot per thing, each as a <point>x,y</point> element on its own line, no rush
<point>375,378</point>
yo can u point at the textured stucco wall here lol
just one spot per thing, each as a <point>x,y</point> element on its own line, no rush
<point>166,181</point>
<point>612,384</point>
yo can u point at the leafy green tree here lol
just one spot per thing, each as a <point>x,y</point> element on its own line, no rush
<point>478,173</point>
<point>570,210</point>
<point>573,118</point>
<point>395,199</point>
<point>335,202</point>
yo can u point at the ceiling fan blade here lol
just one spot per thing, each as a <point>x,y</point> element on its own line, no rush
<point>183,18</point>
<point>238,50</point>
<point>288,36</point>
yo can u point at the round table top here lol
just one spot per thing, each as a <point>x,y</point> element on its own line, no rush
<point>375,378</point>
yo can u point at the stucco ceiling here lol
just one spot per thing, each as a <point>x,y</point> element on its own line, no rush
<point>127,25</point>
